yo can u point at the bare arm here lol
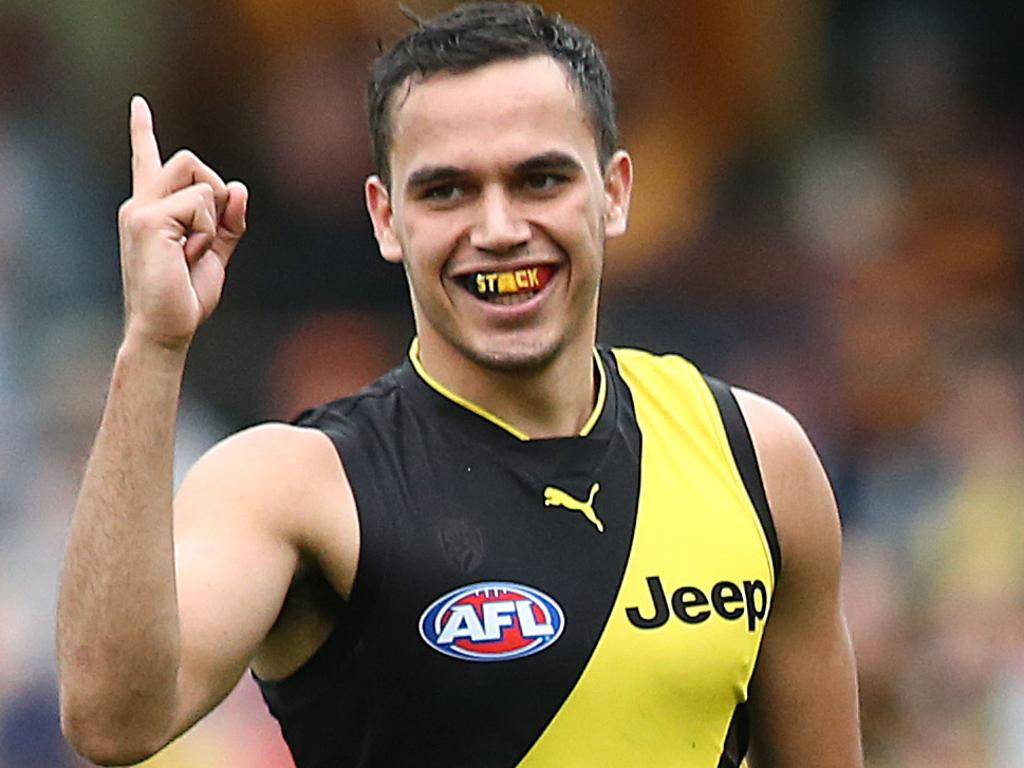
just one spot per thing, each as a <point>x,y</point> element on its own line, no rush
<point>118,620</point>
<point>243,519</point>
<point>804,693</point>
<point>258,510</point>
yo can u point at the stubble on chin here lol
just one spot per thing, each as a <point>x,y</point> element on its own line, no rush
<point>515,358</point>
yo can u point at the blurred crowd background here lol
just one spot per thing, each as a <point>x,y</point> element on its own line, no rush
<point>828,210</point>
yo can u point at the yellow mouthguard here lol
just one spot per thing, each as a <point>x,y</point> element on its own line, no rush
<point>514,281</point>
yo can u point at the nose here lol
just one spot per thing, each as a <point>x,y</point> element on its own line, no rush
<point>499,227</point>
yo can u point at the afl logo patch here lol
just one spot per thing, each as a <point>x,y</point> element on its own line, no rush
<point>492,621</point>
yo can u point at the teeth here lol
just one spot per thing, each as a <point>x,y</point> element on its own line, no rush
<point>512,298</point>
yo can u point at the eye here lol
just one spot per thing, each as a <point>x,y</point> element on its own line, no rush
<point>543,182</point>
<point>445,193</point>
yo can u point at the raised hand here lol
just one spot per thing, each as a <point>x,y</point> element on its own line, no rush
<point>178,231</point>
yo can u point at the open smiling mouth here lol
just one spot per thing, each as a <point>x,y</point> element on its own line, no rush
<point>510,287</point>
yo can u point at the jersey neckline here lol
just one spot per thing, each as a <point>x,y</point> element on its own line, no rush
<point>601,402</point>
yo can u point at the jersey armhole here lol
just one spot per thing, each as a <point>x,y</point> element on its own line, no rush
<point>356,611</point>
<point>743,453</point>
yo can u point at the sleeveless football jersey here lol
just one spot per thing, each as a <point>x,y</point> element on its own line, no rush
<point>596,600</point>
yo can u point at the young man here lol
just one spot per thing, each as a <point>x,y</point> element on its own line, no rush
<point>516,549</point>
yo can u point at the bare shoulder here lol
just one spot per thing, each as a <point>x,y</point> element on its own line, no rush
<point>282,478</point>
<point>804,692</point>
<point>798,490</point>
<point>274,444</point>
<point>275,459</point>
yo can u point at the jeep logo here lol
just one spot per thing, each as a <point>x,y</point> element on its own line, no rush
<point>692,605</point>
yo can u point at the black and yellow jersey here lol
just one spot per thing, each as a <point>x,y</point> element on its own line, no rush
<point>596,600</point>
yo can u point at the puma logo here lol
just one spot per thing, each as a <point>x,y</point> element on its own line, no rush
<point>556,497</point>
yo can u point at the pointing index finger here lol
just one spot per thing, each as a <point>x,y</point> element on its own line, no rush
<point>145,152</point>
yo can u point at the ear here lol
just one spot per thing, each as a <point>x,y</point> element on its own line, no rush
<point>378,203</point>
<point>618,188</point>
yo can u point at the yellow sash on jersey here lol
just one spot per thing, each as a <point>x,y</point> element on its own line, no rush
<point>664,696</point>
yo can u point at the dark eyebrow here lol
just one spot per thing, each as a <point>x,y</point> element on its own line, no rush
<point>432,174</point>
<point>546,161</point>
<point>554,160</point>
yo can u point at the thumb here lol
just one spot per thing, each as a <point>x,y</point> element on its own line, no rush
<point>232,222</point>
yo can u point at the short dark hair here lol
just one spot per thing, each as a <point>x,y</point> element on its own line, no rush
<point>476,34</point>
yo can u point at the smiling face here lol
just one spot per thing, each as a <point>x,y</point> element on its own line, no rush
<point>499,209</point>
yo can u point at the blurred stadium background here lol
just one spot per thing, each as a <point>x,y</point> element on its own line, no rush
<point>829,210</point>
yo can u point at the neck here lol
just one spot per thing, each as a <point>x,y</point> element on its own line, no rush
<point>554,401</point>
